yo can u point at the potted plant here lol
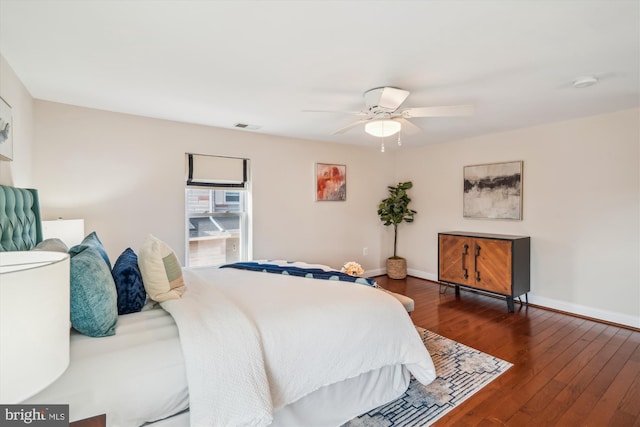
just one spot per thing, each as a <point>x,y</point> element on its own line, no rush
<point>392,211</point>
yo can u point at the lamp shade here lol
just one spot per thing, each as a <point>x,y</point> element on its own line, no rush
<point>34,322</point>
<point>70,231</point>
<point>382,128</point>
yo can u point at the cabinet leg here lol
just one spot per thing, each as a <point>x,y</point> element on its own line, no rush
<point>443,288</point>
<point>526,299</point>
<point>457,290</point>
<point>510,304</point>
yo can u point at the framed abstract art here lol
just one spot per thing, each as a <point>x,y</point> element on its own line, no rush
<point>493,191</point>
<point>331,182</point>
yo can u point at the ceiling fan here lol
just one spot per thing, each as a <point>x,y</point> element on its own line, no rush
<point>382,115</point>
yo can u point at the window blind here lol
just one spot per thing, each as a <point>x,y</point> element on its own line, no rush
<point>214,171</point>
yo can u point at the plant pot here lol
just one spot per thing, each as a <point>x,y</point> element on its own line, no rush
<point>396,268</point>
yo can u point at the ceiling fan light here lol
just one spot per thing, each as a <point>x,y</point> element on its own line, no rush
<point>382,128</point>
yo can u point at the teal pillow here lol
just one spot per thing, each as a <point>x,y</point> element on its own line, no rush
<point>94,310</point>
<point>92,241</point>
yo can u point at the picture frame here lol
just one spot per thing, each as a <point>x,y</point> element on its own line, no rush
<point>493,191</point>
<point>331,182</point>
<point>6,131</point>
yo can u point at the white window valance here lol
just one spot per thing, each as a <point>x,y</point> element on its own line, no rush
<point>216,171</point>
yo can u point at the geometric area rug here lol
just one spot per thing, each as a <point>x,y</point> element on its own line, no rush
<point>461,372</point>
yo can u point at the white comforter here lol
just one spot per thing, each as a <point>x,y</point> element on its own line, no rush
<point>255,342</point>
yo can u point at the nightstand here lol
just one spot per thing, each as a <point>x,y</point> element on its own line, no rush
<point>97,421</point>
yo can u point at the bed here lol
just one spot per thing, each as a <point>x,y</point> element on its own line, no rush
<point>243,348</point>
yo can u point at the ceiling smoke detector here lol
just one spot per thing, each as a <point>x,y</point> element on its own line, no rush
<point>584,81</point>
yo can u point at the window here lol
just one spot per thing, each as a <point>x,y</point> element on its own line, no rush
<point>232,197</point>
<point>216,210</point>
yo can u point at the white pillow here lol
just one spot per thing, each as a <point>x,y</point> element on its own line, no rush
<point>161,270</point>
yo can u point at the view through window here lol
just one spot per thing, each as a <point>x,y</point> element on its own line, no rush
<point>216,223</point>
<point>216,210</point>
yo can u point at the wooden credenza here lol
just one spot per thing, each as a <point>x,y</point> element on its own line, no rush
<point>495,263</point>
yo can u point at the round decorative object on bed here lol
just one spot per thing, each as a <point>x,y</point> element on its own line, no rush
<point>352,268</point>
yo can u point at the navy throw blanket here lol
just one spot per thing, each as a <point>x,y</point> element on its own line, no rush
<point>313,273</point>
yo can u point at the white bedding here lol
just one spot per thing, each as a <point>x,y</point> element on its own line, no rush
<point>225,369</point>
<point>134,376</point>
<point>312,333</point>
<point>331,405</point>
<point>139,374</point>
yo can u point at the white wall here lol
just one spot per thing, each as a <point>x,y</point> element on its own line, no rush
<point>17,172</point>
<point>581,190</point>
<point>125,176</point>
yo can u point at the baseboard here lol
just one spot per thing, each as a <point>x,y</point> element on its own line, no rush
<point>410,272</point>
<point>567,307</point>
<point>581,310</point>
<point>422,275</point>
<point>375,272</point>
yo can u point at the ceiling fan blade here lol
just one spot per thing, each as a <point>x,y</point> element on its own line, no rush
<point>357,113</point>
<point>408,127</point>
<point>444,111</point>
<point>349,127</point>
<point>385,98</point>
<point>392,97</point>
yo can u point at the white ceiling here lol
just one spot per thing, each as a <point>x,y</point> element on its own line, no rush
<point>262,62</point>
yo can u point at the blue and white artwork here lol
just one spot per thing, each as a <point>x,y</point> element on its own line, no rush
<point>6,140</point>
<point>493,191</point>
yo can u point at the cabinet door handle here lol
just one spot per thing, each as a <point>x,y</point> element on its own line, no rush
<point>475,261</point>
<point>464,259</point>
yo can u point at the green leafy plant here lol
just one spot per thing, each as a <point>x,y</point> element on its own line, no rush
<point>395,209</point>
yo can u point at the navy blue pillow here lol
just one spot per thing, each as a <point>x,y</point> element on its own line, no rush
<point>129,286</point>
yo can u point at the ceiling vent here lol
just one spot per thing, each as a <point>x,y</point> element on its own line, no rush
<point>246,126</point>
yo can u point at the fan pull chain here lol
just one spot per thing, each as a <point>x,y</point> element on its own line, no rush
<point>382,147</point>
<point>399,140</point>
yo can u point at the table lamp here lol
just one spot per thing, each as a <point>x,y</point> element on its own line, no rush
<point>70,231</point>
<point>34,322</point>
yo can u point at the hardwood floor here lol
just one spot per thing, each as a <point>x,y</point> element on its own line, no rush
<point>567,371</point>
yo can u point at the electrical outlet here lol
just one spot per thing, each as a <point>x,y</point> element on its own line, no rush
<point>365,251</point>
<point>234,247</point>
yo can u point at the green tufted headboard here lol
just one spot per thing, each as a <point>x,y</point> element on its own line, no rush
<point>20,222</point>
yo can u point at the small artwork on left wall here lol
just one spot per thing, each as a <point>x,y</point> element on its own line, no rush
<point>6,131</point>
<point>331,182</point>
